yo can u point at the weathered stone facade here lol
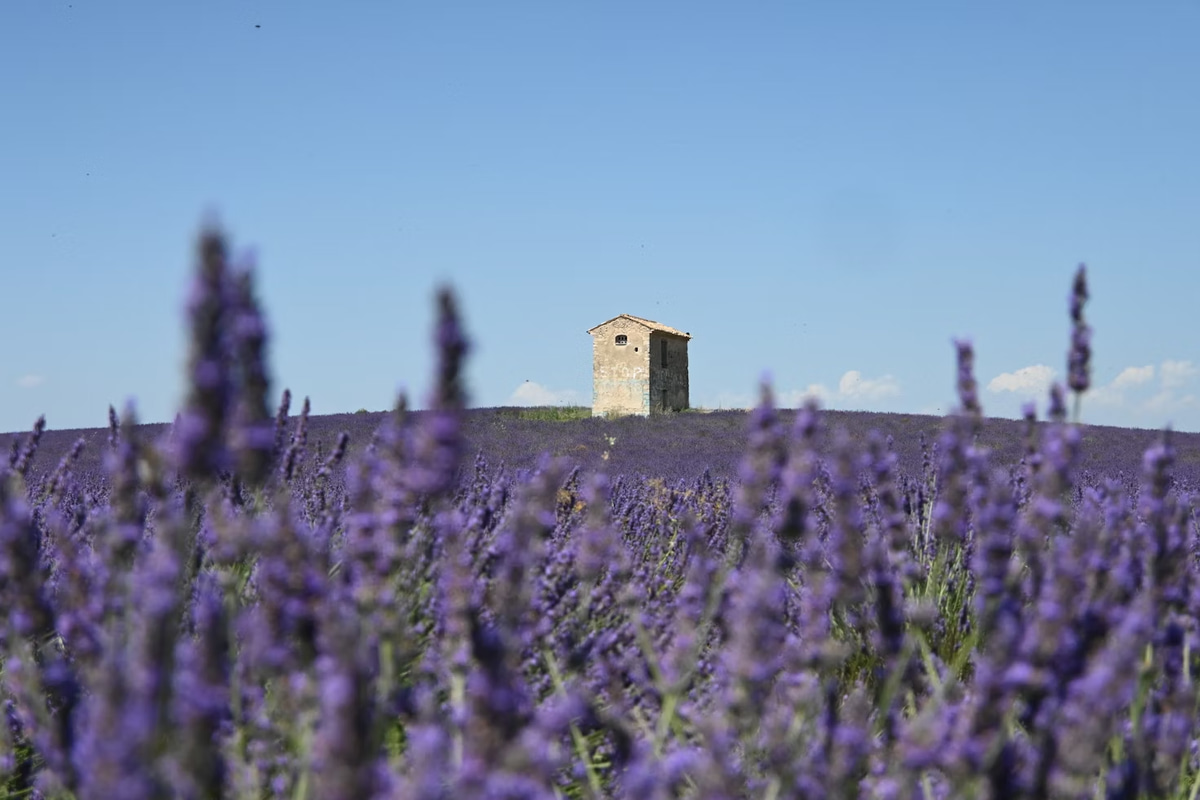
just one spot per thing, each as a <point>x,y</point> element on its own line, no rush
<point>638,367</point>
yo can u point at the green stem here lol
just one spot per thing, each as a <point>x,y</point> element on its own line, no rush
<point>581,748</point>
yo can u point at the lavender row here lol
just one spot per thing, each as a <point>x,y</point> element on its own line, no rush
<point>674,448</point>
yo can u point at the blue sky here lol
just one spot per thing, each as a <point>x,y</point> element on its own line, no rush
<point>828,193</point>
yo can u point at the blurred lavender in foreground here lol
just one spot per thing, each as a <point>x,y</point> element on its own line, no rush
<point>199,439</point>
<point>224,619</point>
<point>1080,354</point>
<point>252,433</point>
<point>1078,362</point>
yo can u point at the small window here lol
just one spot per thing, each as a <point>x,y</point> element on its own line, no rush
<point>664,352</point>
<point>622,340</point>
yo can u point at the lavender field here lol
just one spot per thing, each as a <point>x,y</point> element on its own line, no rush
<point>677,447</point>
<point>455,603</point>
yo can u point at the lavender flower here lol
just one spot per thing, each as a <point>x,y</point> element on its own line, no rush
<point>438,446</point>
<point>201,452</point>
<point>345,765</point>
<point>1078,361</point>
<point>251,435</point>
<point>201,696</point>
<point>21,459</point>
<point>281,415</point>
<point>56,485</point>
<point>759,472</point>
<point>295,452</point>
<point>30,614</point>
<point>113,427</point>
<point>968,393</point>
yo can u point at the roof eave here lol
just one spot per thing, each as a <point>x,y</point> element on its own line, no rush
<point>649,324</point>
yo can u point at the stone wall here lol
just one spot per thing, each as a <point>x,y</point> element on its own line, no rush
<point>620,373</point>
<point>630,378</point>
<point>669,384</point>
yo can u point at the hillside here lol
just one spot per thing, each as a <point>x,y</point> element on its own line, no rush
<point>674,447</point>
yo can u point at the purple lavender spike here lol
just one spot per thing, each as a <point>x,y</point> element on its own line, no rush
<point>345,767</point>
<point>1058,407</point>
<point>55,486</point>
<point>29,610</point>
<point>452,349</point>
<point>759,472</point>
<point>335,457</point>
<point>996,598</point>
<point>1078,361</point>
<point>113,427</point>
<point>846,533</point>
<point>757,630</point>
<point>20,460</point>
<point>281,416</point>
<point>251,434</point>
<point>438,444</point>
<point>201,695</point>
<point>1094,705</point>
<point>299,443</point>
<point>127,507</point>
<point>199,435</point>
<point>968,390</point>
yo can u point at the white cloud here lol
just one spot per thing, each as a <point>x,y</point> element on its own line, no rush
<point>853,391</point>
<point>1110,395</point>
<point>1133,376</point>
<point>1035,379</point>
<point>854,386</point>
<point>1167,402</point>
<point>798,397</point>
<point>1131,399</point>
<point>534,394</point>
<point>30,381</point>
<point>1115,393</point>
<point>1175,374</point>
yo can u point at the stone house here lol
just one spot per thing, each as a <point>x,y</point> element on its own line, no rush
<point>638,367</point>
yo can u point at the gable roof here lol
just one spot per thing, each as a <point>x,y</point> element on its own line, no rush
<point>649,323</point>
